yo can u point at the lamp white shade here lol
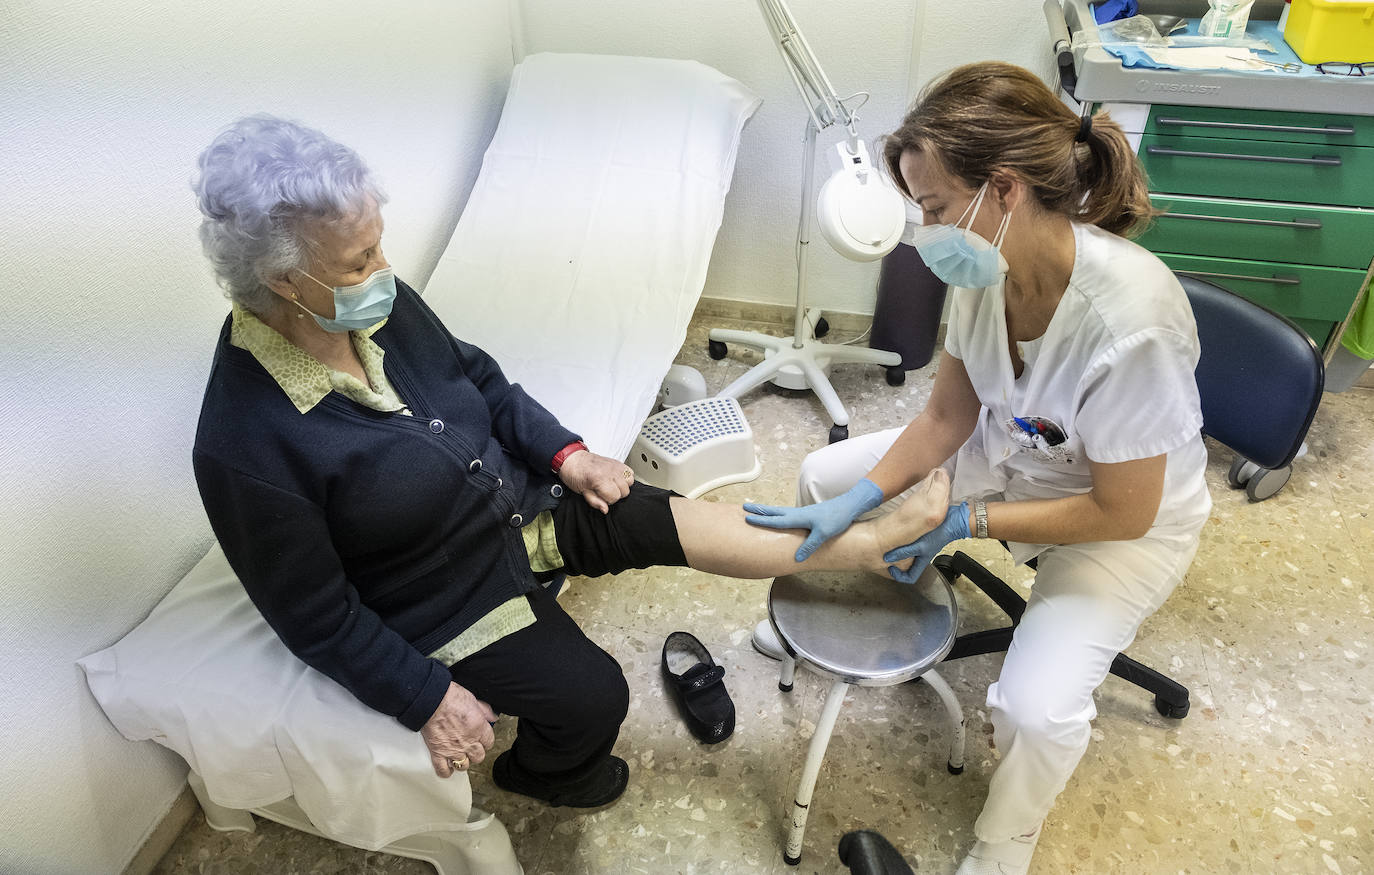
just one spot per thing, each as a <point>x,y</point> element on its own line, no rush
<point>860,214</point>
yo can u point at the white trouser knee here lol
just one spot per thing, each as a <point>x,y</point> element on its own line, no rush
<point>833,469</point>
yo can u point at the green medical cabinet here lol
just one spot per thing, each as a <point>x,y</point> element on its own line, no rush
<point>1275,206</point>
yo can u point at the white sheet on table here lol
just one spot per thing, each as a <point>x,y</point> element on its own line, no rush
<point>583,249</point>
<point>207,677</point>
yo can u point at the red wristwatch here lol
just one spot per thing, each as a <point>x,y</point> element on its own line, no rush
<point>562,455</point>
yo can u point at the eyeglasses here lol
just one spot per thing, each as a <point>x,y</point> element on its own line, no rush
<point>1341,69</point>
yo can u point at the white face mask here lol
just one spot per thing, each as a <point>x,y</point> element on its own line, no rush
<point>359,306</point>
<point>959,256</point>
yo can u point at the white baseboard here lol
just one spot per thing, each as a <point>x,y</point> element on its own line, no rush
<point>164,834</point>
<point>782,316</point>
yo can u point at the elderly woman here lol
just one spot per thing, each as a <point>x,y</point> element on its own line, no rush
<point>392,504</point>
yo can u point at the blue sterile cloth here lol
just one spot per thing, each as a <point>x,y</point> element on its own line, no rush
<point>1132,55</point>
<point>1111,10</point>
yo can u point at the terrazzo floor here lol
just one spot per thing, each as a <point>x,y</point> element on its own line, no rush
<point>1270,773</point>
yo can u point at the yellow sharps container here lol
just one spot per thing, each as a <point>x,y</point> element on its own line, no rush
<point>1323,31</point>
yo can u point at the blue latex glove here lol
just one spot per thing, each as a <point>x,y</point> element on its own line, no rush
<point>924,548</point>
<point>1112,10</point>
<point>825,520</point>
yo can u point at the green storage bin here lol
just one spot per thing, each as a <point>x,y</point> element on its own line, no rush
<point>1359,333</point>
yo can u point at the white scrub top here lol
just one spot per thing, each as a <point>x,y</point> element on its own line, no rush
<point>1111,380</point>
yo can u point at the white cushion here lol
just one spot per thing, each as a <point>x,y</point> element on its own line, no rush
<point>207,677</point>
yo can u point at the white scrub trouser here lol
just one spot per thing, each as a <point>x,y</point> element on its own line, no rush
<point>1087,602</point>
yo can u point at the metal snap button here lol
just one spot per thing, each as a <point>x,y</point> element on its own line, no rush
<point>499,481</point>
<point>515,520</point>
<point>436,425</point>
<point>556,490</point>
<point>475,466</point>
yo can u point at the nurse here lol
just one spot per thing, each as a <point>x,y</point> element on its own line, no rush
<point>1064,404</point>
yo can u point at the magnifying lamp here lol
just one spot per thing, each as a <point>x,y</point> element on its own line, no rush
<point>861,215</point>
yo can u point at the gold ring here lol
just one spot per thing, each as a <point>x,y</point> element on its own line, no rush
<point>629,475</point>
<point>458,765</point>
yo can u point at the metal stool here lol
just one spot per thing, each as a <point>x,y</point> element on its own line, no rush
<point>860,628</point>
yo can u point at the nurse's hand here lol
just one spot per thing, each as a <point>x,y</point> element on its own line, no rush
<point>599,480</point>
<point>825,520</point>
<point>925,548</point>
<point>459,733</point>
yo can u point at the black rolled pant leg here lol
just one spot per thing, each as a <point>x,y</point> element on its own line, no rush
<point>570,695</point>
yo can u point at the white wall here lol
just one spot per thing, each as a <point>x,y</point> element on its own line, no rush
<point>108,317</point>
<point>887,47</point>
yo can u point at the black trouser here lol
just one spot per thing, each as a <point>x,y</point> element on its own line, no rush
<point>569,694</point>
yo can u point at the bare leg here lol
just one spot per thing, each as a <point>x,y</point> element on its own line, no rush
<point>715,537</point>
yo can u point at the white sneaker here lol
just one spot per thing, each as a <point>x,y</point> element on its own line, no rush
<point>766,641</point>
<point>1011,857</point>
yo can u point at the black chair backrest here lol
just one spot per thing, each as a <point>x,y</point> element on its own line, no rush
<point>1260,376</point>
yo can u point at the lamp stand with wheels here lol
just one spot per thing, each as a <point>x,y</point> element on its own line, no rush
<point>862,218</point>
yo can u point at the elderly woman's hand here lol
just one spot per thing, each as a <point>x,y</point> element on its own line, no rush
<point>459,734</point>
<point>601,481</point>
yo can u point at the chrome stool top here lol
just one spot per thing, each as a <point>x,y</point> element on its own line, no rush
<point>863,628</point>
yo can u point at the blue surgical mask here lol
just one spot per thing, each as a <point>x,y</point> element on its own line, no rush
<point>359,306</point>
<point>960,257</point>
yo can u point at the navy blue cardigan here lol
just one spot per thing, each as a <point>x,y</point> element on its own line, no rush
<point>369,539</point>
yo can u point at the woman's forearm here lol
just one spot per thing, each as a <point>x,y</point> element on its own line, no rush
<point>1073,519</point>
<point>1121,506</point>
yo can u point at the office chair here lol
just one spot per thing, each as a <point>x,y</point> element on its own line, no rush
<point>1260,379</point>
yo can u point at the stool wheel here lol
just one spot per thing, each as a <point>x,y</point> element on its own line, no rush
<point>896,375</point>
<point>822,327</point>
<point>791,861</point>
<point>716,349</point>
<point>1169,709</point>
<point>786,688</point>
<point>953,769</point>
<point>839,433</point>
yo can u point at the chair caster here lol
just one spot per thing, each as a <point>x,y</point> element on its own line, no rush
<point>953,769</point>
<point>839,433</point>
<point>1171,710</point>
<point>1242,469</point>
<point>822,328</point>
<point>716,349</point>
<point>791,861</point>
<point>1267,482</point>
<point>1259,483</point>
<point>786,688</point>
<point>896,375</point>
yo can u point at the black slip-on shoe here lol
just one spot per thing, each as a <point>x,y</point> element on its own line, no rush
<point>602,788</point>
<point>866,852</point>
<point>698,685</point>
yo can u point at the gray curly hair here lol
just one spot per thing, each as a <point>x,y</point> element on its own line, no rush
<point>261,182</point>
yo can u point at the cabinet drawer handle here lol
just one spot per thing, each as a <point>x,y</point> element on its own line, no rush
<point>1318,160</point>
<point>1300,224</point>
<point>1341,130</point>
<point>1275,280</point>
